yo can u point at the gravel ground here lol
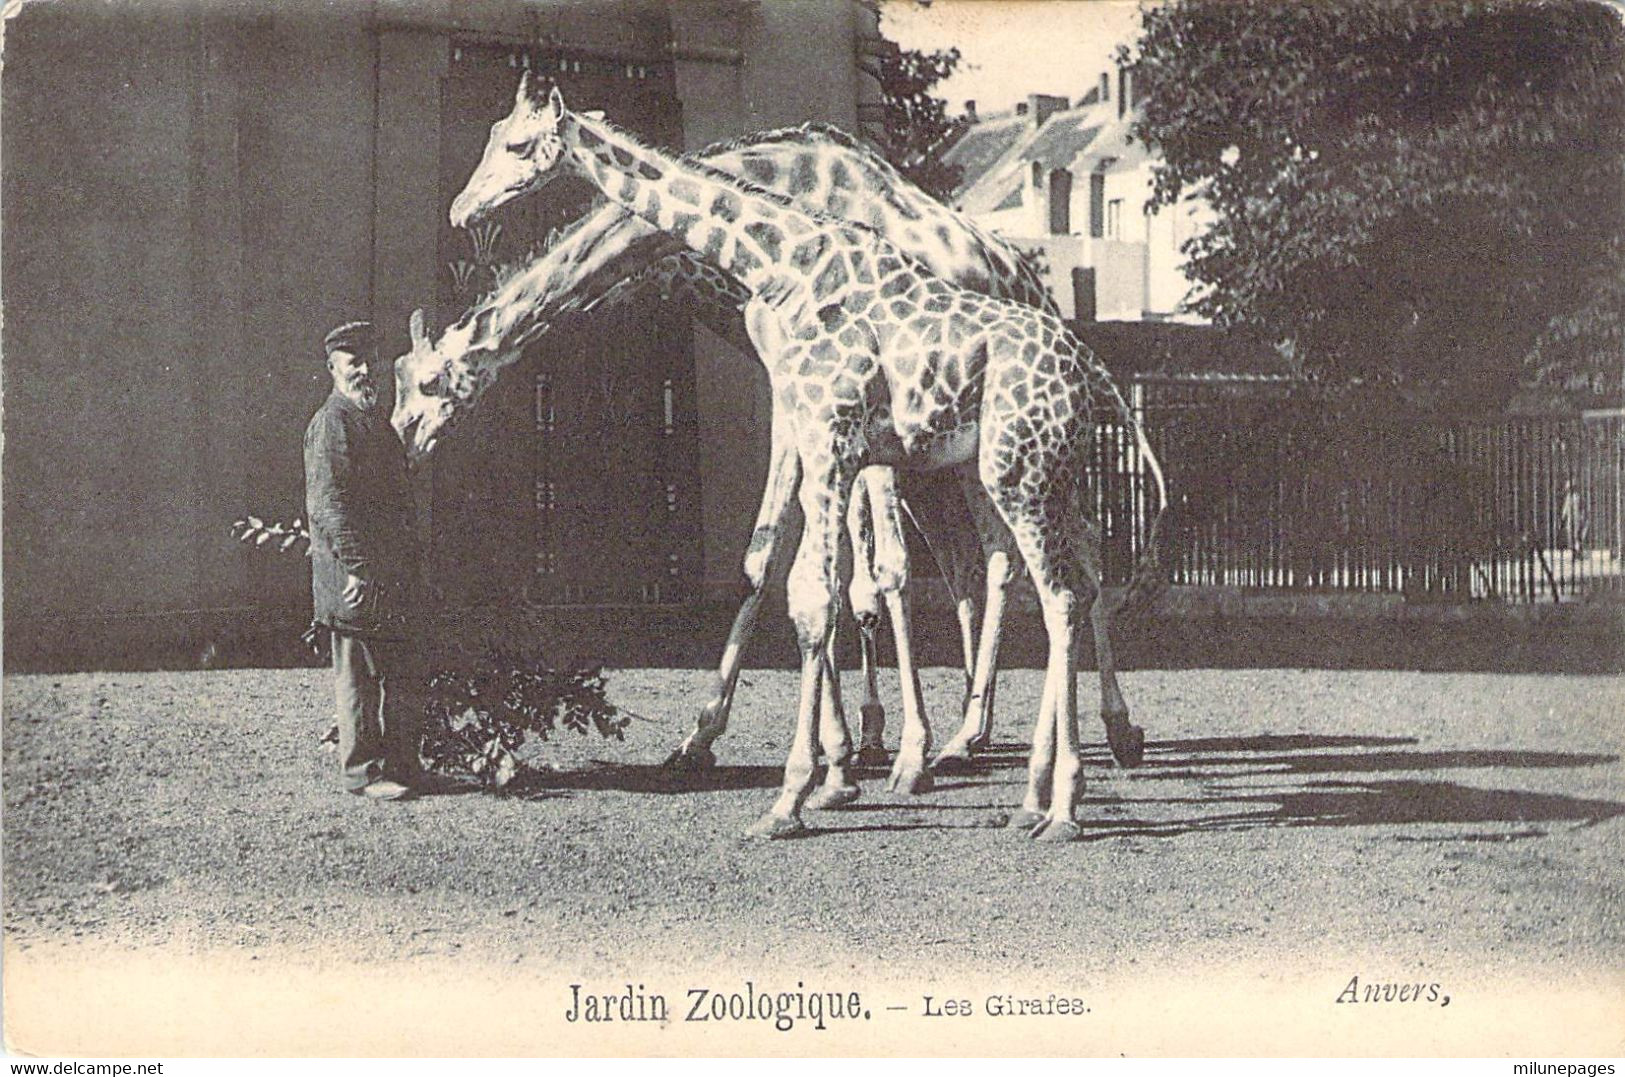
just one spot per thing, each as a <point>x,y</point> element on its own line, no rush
<point>1342,822</point>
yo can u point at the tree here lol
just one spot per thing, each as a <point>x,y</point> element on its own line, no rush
<point>1416,190</point>
<point>916,123</point>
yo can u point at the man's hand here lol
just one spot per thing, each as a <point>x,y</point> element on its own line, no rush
<point>356,590</point>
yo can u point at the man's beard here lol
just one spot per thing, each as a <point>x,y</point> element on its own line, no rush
<point>362,393</point>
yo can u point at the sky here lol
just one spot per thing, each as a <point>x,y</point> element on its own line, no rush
<point>1012,48</point>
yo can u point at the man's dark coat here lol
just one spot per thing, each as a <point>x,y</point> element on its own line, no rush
<point>359,504</point>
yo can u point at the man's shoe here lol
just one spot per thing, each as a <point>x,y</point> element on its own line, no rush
<point>383,789</point>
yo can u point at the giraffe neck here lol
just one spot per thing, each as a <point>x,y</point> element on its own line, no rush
<point>603,257</point>
<point>756,237</point>
<point>580,266</point>
<point>825,170</point>
<point>602,260</point>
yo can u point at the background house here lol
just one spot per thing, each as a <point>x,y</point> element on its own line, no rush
<point>1067,179</point>
<point>195,192</point>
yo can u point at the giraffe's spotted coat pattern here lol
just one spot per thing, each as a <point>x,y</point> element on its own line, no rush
<point>890,359</point>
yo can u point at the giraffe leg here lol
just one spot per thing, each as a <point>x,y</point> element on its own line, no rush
<point>872,730</point>
<point>1061,619</point>
<point>1042,510</point>
<point>1127,740</point>
<point>761,561</point>
<point>976,730</point>
<point>910,774</point>
<point>812,593</point>
<point>965,614</point>
<point>783,820</point>
<point>695,750</point>
<point>1040,765</point>
<point>1049,543</point>
<point>865,596</point>
<point>834,740</point>
<point>891,574</point>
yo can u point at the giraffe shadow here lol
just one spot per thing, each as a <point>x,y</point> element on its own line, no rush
<point>1312,782</point>
<point>1322,804</point>
<point>1168,761</point>
<point>1275,755</point>
<point>1316,781</point>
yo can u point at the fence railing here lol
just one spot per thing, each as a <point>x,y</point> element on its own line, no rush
<point>1274,487</point>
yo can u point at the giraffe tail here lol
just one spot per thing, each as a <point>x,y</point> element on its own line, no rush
<point>1147,579</point>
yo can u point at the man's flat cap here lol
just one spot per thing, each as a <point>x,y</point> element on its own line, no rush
<point>353,337</point>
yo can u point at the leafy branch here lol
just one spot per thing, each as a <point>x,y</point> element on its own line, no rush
<point>276,536</point>
<point>478,718</point>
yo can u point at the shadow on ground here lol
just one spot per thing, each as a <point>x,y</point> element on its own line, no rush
<point>1239,783</point>
<point>1350,804</point>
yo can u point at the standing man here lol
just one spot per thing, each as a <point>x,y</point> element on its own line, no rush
<point>362,560</point>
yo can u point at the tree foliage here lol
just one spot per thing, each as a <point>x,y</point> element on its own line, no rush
<point>477,720</point>
<point>1406,189</point>
<point>916,123</point>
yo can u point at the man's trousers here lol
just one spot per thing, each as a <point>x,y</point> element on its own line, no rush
<point>380,709</point>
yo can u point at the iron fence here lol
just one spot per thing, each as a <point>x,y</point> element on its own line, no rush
<point>1273,486</point>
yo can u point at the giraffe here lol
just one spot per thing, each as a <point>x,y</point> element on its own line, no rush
<point>878,361</point>
<point>609,252</point>
<point>436,383</point>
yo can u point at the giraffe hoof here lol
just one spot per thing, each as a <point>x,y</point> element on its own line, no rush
<point>1022,819</point>
<point>872,755</point>
<point>910,781</point>
<point>833,796</point>
<point>1129,749</point>
<point>1056,831</point>
<point>691,758</point>
<point>954,759</point>
<point>772,827</point>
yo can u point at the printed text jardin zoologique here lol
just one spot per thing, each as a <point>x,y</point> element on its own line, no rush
<point>786,1008</point>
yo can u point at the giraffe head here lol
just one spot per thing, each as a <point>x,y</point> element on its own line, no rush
<point>437,383</point>
<point>521,154</point>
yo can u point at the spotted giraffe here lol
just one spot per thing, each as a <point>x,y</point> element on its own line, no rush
<point>437,383</point>
<point>879,362</point>
<point>609,252</point>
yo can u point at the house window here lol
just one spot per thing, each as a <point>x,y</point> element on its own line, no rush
<point>1097,204</point>
<point>1114,219</point>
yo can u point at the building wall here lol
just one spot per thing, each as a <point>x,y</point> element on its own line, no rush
<point>179,217</point>
<point>1144,246</point>
<point>1169,289</point>
<point>193,193</point>
<point>1120,276</point>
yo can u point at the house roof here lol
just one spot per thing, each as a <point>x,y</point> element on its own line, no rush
<point>993,154</point>
<point>1112,141</point>
<point>982,146</point>
<point>1012,198</point>
<point>1063,138</point>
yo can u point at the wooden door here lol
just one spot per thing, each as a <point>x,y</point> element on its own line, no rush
<point>578,477</point>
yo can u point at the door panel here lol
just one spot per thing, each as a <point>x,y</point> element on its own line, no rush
<point>577,479</point>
